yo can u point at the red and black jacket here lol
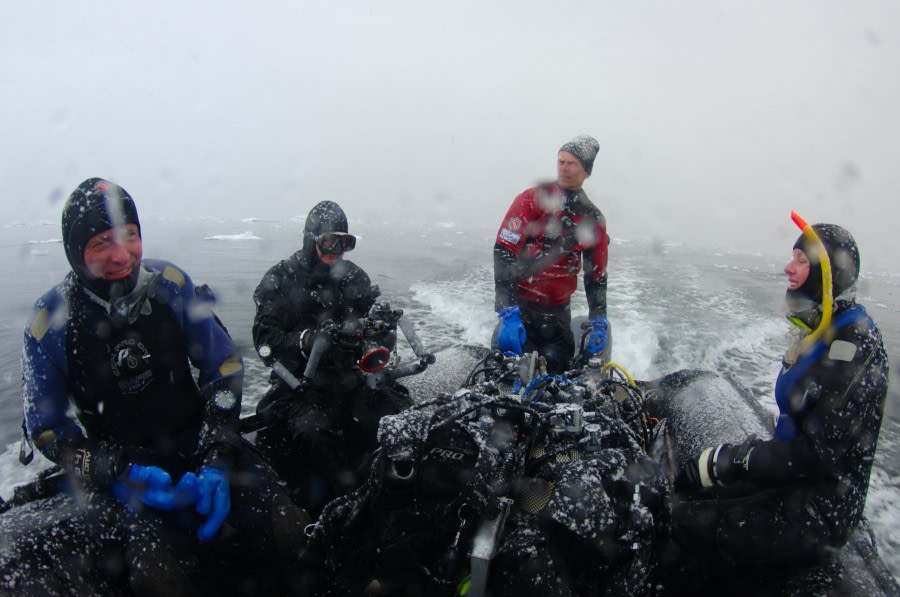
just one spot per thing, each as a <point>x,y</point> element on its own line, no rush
<point>546,238</point>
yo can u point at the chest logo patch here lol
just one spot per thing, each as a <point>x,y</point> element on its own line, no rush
<point>841,350</point>
<point>130,362</point>
<point>510,236</point>
<point>514,224</point>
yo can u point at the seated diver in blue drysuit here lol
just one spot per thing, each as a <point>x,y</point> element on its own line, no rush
<point>801,493</point>
<point>159,461</point>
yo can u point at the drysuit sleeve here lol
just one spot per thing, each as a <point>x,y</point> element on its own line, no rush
<point>595,274</point>
<point>508,246</point>
<point>506,277</point>
<point>46,402</point>
<point>274,324</point>
<point>213,352</point>
<point>44,379</point>
<point>836,403</point>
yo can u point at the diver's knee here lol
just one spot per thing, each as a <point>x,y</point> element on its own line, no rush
<point>154,571</point>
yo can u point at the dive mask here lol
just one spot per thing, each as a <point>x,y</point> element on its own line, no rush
<point>331,243</point>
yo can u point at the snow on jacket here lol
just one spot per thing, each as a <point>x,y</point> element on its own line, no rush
<point>831,403</point>
<point>546,237</point>
<point>299,294</point>
<point>130,381</point>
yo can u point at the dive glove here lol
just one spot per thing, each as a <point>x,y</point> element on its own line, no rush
<point>348,336</point>
<point>213,499</point>
<point>98,464</point>
<point>720,465</point>
<point>599,334</point>
<point>152,486</point>
<point>511,335</point>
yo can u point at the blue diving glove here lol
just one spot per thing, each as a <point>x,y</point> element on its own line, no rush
<point>152,486</point>
<point>511,335</point>
<point>599,334</point>
<point>214,499</point>
<point>151,476</point>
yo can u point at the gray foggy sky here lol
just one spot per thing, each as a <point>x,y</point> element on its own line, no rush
<point>715,119</point>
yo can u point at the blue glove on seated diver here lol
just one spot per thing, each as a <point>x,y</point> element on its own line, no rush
<point>599,334</point>
<point>720,465</point>
<point>511,336</point>
<point>152,486</point>
<point>214,499</point>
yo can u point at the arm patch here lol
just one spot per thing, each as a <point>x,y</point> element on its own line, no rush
<point>510,236</point>
<point>173,275</point>
<point>841,350</point>
<point>40,324</point>
<point>230,366</point>
<point>46,438</point>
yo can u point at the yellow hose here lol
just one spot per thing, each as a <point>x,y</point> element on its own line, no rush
<point>620,368</point>
<point>631,382</point>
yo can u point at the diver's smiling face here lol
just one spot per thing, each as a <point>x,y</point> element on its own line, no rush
<point>114,253</point>
<point>797,270</point>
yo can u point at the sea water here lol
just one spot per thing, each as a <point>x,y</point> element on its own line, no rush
<point>671,306</point>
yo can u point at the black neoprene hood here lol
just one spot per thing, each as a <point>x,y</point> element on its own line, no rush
<point>325,216</point>
<point>843,254</point>
<point>95,206</point>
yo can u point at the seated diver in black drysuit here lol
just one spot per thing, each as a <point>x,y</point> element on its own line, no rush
<point>319,437</point>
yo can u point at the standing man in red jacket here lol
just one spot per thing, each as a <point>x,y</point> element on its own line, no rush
<point>549,234</point>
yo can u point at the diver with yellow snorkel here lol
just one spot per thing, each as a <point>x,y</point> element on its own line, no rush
<point>795,498</point>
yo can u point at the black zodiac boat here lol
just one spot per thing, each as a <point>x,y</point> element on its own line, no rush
<point>496,462</point>
<point>693,409</point>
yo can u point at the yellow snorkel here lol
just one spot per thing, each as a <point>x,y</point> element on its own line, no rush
<point>825,264</point>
